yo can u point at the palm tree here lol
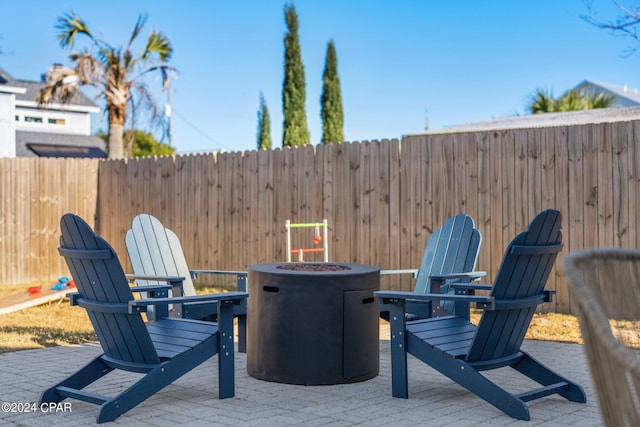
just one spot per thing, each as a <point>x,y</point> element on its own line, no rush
<point>599,100</point>
<point>542,101</point>
<point>113,70</point>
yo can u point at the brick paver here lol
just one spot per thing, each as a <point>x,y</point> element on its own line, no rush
<point>193,399</point>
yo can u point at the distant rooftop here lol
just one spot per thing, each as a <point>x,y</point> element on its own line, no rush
<point>58,145</point>
<point>627,96</point>
<point>32,89</point>
<point>571,118</point>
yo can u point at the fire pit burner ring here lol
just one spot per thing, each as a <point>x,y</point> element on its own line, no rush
<point>303,266</point>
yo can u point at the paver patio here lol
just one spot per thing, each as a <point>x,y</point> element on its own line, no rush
<point>193,399</point>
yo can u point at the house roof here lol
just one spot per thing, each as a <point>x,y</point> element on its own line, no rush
<point>31,144</point>
<point>571,118</point>
<point>32,88</point>
<point>625,92</point>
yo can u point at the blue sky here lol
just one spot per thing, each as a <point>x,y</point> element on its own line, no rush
<point>399,61</point>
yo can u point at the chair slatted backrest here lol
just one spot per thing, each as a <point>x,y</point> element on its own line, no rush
<point>522,276</point>
<point>453,248</point>
<point>100,281</point>
<point>156,251</point>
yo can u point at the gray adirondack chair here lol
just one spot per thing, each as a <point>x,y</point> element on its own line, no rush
<point>449,257</point>
<point>458,349</point>
<point>155,250</point>
<point>162,350</point>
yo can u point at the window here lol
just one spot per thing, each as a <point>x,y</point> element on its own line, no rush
<point>31,119</point>
<point>17,118</point>
<point>56,121</point>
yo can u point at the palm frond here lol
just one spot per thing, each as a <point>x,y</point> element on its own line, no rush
<point>142,19</point>
<point>146,98</point>
<point>89,69</point>
<point>127,59</point>
<point>600,100</point>
<point>61,86</point>
<point>159,44</point>
<point>166,72</point>
<point>572,100</point>
<point>541,101</point>
<point>146,108</point>
<point>69,25</point>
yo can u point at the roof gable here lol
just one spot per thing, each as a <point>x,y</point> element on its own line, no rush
<point>631,96</point>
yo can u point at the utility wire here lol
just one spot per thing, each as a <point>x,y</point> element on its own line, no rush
<point>197,129</point>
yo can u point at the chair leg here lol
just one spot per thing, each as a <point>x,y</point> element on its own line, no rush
<point>91,372</point>
<point>541,374</point>
<point>399,382</point>
<point>481,386</point>
<point>144,388</point>
<point>468,377</point>
<point>226,366</point>
<point>242,333</point>
<point>242,318</point>
<point>156,379</point>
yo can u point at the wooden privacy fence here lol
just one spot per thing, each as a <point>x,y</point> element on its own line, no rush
<point>229,209</point>
<point>35,193</point>
<point>382,199</point>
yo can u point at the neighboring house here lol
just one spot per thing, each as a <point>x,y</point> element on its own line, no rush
<point>622,96</point>
<point>569,118</point>
<point>625,107</point>
<point>56,131</point>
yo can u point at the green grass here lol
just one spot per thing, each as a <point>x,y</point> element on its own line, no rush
<point>47,325</point>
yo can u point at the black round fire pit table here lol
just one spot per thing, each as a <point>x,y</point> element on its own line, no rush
<point>313,323</point>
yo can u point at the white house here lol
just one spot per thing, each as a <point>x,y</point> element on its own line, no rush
<point>57,131</point>
<point>569,118</point>
<point>7,121</point>
<point>623,96</point>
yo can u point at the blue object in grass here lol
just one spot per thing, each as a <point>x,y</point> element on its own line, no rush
<point>62,284</point>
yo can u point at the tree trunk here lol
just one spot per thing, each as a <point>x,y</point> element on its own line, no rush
<point>116,146</point>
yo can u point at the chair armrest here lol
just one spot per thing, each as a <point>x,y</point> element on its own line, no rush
<point>471,286</point>
<point>413,271</point>
<point>172,280</point>
<point>174,283</point>
<point>443,282</point>
<point>223,298</point>
<point>100,307</point>
<point>532,301</point>
<point>155,288</point>
<point>395,297</point>
<point>472,275</point>
<point>548,295</point>
<point>194,273</point>
<point>241,276</point>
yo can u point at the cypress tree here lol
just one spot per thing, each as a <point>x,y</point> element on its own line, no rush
<point>264,125</point>
<point>331,99</point>
<point>295,131</point>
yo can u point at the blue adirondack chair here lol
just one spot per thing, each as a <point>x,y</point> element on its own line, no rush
<point>156,251</point>
<point>449,257</point>
<point>162,350</point>
<point>458,349</point>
